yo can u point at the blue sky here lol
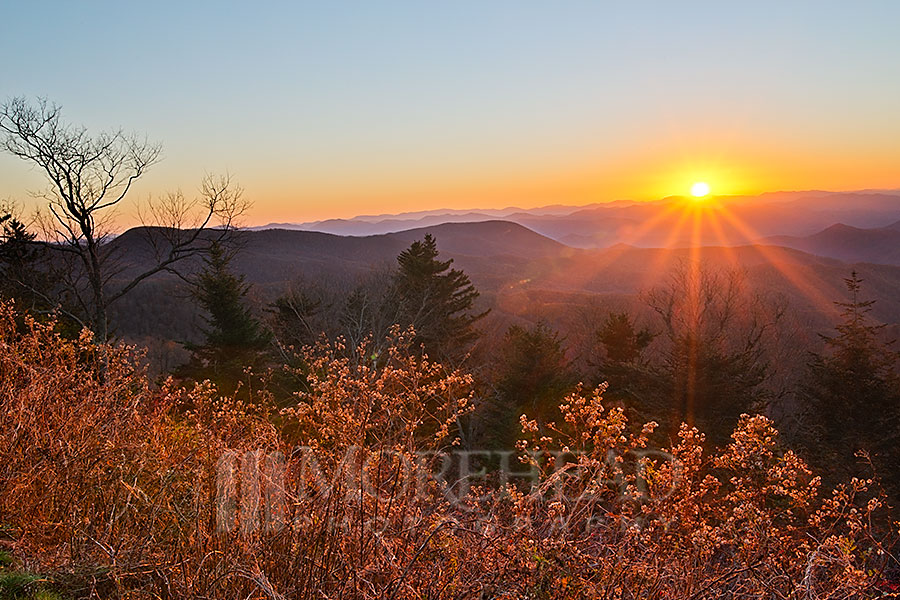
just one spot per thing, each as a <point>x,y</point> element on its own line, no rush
<point>340,108</point>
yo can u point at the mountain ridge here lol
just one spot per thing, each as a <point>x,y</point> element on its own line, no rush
<point>878,245</point>
<point>741,219</point>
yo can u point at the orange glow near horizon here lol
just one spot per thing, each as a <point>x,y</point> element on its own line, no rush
<point>281,193</point>
<point>696,217</point>
<point>311,199</point>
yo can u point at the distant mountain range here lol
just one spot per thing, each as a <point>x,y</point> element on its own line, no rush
<point>525,275</point>
<point>879,245</point>
<point>275,256</point>
<point>731,220</point>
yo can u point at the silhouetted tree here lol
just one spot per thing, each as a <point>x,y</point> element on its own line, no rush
<point>89,176</point>
<point>361,310</point>
<point>369,309</point>
<point>18,254</point>
<point>295,317</point>
<point>30,277</point>
<point>852,392</point>
<point>534,371</point>
<point>436,300</point>
<point>623,364</point>
<point>715,363</point>
<point>621,340</point>
<point>233,336</point>
<point>532,376</point>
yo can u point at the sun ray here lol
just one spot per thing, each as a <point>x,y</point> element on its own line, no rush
<point>664,254</point>
<point>694,308</point>
<point>781,264</point>
<point>651,223</point>
<point>610,256</point>
<point>722,238</point>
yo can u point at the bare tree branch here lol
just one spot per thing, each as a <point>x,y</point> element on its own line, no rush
<point>88,178</point>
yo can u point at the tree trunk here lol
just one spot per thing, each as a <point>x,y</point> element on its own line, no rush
<point>99,323</point>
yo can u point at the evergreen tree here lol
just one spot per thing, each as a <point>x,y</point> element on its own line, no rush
<point>534,371</point>
<point>853,393</point>
<point>621,340</point>
<point>28,276</point>
<point>233,336</point>
<point>436,300</point>
<point>623,365</point>
<point>533,376</point>
<point>17,255</point>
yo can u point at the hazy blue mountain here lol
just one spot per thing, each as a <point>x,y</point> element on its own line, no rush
<point>729,220</point>
<point>847,243</point>
<point>522,275</point>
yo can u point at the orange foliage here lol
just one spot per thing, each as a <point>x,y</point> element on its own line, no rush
<point>119,489</point>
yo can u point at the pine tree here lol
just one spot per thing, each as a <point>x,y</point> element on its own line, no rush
<point>621,340</point>
<point>534,371</point>
<point>436,300</point>
<point>852,391</point>
<point>27,276</point>
<point>17,255</point>
<point>532,376</point>
<point>233,336</point>
<point>623,364</point>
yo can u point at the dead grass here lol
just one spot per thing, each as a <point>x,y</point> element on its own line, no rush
<point>118,489</point>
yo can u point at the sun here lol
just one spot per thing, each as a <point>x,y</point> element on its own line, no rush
<point>700,189</point>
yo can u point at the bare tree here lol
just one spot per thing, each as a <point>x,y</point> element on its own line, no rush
<point>719,340</point>
<point>88,178</point>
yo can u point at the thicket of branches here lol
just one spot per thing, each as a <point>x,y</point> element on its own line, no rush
<point>114,488</point>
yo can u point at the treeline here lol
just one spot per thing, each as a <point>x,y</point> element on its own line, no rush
<point>705,358</point>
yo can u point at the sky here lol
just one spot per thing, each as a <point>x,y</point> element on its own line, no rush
<point>334,109</point>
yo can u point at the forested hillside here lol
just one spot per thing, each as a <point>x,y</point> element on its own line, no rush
<point>523,278</point>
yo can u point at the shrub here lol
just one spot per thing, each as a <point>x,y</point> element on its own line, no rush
<point>120,489</point>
